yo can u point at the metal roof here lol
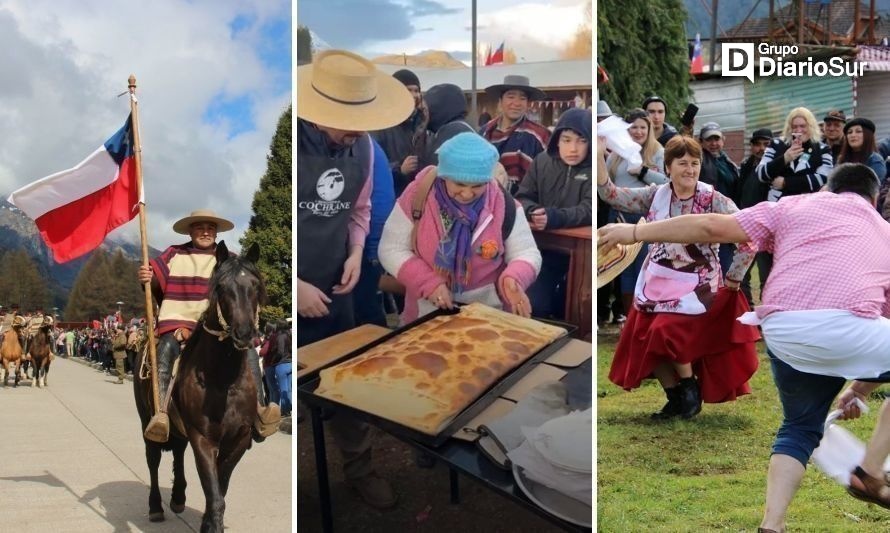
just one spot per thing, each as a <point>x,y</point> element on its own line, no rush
<point>574,74</point>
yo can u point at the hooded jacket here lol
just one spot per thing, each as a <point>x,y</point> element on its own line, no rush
<point>564,191</point>
<point>399,142</point>
<point>448,108</point>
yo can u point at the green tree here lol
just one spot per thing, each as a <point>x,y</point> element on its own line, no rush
<point>270,225</point>
<point>642,45</point>
<point>304,45</point>
<point>23,285</point>
<point>124,287</point>
<point>93,294</point>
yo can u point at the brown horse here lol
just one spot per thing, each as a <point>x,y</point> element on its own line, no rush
<point>11,354</point>
<point>214,393</point>
<point>41,355</point>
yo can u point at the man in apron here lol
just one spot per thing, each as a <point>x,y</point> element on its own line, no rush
<point>341,97</point>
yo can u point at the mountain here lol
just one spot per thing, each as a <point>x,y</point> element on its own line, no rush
<point>17,231</point>
<point>427,59</point>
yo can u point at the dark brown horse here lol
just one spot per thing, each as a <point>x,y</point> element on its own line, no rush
<point>41,354</point>
<point>214,394</point>
<point>11,355</point>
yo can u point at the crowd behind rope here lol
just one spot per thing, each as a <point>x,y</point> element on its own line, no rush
<point>112,344</point>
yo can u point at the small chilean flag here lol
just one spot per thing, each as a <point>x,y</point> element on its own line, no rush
<point>695,66</point>
<point>76,208</point>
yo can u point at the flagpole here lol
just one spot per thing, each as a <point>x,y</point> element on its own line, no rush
<point>143,233</point>
<point>473,59</point>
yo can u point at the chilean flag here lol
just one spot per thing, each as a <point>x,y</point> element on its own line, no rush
<point>498,55</point>
<point>695,66</point>
<point>76,208</point>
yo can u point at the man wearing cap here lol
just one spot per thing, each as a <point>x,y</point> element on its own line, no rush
<point>719,170</point>
<point>517,138</point>
<point>405,142</point>
<point>178,276</point>
<point>657,109</point>
<point>833,131</point>
<point>340,97</point>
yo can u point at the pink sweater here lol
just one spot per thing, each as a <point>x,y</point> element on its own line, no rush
<point>492,260</point>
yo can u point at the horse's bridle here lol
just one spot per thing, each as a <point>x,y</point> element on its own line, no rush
<point>226,330</point>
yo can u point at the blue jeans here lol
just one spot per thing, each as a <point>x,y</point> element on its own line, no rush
<point>806,401</point>
<point>628,278</point>
<point>271,384</point>
<point>548,293</point>
<point>283,373</point>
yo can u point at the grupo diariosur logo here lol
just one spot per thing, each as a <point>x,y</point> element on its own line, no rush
<point>738,59</point>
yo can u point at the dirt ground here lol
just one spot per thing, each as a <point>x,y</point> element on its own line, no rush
<point>419,491</point>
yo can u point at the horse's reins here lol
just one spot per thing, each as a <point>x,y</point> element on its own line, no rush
<point>226,330</point>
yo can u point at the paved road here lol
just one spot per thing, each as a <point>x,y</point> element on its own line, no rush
<point>73,461</point>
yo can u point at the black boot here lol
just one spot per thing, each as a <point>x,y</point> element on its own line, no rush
<point>158,428</point>
<point>690,397</point>
<point>268,416</point>
<point>673,405</point>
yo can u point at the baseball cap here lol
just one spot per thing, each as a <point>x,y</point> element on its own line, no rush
<point>835,114</point>
<point>762,133</point>
<point>654,98</point>
<point>709,130</point>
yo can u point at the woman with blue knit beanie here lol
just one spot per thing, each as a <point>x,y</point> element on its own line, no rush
<point>464,247</point>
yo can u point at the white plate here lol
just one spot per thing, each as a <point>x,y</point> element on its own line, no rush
<point>567,442</point>
<point>554,502</point>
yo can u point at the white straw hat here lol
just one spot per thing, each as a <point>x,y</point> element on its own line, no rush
<point>345,91</point>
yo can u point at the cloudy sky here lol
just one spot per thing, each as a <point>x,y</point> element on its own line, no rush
<point>535,29</point>
<point>213,77</point>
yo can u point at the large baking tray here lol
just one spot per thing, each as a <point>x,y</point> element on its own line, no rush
<point>306,388</point>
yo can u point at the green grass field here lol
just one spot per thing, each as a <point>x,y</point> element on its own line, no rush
<point>708,473</point>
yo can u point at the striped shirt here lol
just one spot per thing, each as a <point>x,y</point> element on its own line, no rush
<point>518,146</point>
<point>183,274</point>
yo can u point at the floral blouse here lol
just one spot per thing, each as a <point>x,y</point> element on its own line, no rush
<point>638,200</point>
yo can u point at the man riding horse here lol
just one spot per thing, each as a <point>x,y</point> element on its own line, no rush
<point>179,279</point>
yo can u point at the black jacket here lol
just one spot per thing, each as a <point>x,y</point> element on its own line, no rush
<point>752,191</point>
<point>799,177</point>
<point>448,108</point>
<point>401,141</point>
<point>564,191</point>
<point>667,134</point>
<point>727,185</point>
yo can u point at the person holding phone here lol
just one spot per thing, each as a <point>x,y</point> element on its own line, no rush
<point>796,162</point>
<point>405,142</point>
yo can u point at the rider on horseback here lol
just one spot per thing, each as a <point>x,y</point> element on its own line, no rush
<point>179,279</point>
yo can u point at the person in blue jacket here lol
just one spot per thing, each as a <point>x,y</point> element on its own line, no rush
<point>367,301</point>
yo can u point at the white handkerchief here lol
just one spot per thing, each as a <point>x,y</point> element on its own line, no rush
<point>614,130</point>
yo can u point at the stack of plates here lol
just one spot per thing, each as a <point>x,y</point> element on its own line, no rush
<point>556,461</point>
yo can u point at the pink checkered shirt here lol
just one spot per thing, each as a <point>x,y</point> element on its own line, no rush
<point>831,251</point>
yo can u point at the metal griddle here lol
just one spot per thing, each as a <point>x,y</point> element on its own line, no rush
<point>307,386</point>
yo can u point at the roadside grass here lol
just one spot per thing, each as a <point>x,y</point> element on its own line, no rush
<point>708,473</point>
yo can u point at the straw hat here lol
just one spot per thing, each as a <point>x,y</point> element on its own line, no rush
<point>609,265</point>
<point>345,91</point>
<point>183,225</point>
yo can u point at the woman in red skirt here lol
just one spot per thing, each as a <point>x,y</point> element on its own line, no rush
<point>682,328</point>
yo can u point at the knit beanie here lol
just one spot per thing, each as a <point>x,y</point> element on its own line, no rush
<point>467,158</point>
<point>406,77</point>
